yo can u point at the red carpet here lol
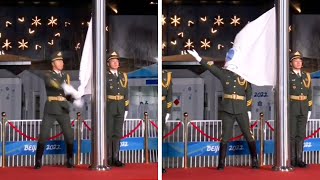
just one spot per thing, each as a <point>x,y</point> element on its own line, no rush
<point>129,172</point>
<point>242,173</point>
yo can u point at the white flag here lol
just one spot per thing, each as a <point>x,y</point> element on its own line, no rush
<point>85,72</point>
<point>254,48</point>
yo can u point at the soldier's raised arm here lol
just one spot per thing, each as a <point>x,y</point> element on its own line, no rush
<point>207,64</point>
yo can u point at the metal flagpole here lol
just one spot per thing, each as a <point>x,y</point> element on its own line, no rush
<point>99,146</point>
<point>282,160</point>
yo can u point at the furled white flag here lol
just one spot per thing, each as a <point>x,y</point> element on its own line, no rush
<point>85,72</point>
<point>253,55</point>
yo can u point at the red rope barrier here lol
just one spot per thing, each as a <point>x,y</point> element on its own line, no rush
<point>216,139</point>
<point>32,138</point>
<point>313,134</point>
<point>133,131</point>
<point>154,124</point>
<point>172,131</point>
<point>86,125</point>
<point>269,125</point>
<point>203,133</point>
<point>306,138</point>
<point>21,133</point>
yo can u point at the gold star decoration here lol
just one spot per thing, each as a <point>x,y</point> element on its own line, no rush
<point>21,19</point>
<point>164,45</point>
<point>189,44</point>
<point>50,42</point>
<point>6,44</point>
<point>175,20</point>
<point>36,22</point>
<point>23,44</point>
<point>163,20</point>
<point>218,21</point>
<point>8,23</point>
<point>235,20</point>
<point>190,23</point>
<point>174,42</point>
<point>52,21</point>
<point>31,31</point>
<point>220,46</point>
<point>78,46</point>
<point>213,30</point>
<point>203,18</point>
<point>66,24</point>
<point>37,46</point>
<point>181,34</point>
<point>205,44</point>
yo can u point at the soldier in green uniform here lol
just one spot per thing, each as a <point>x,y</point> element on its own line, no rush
<point>166,99</point>
<point>117,108</point>
<point>300,108</point>
<point>236,106</point>
<point>56,109</point>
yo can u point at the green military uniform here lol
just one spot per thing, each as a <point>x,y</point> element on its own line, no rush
<point>117,104</point>
<point>236,103</point>
<point>300,103</point>
<point>166,96</point>
<point>56,109</point>
<point>166,99</point>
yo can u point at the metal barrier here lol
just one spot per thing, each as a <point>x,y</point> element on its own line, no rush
<point>210,130</point>
<point>174,132</point>
<point>27,130</point>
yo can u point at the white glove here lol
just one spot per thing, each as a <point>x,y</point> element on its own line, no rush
<point>125,114</point>
<point>167,116</point>
<point>68,89</point>
<point>195,55</point>
<point>78,103</point>
<point>249,115</point>
<point>309,114</point>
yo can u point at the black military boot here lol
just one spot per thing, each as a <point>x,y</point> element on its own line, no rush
<point>164,170</point>
<point>299,149</point>
<point>222,155</point>
<point>293,153</point>
<point>254,157</point>
<point>115,154</point>
<point>69,163</point>
<point>39,153</point>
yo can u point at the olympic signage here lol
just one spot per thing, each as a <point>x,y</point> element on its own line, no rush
<point>59,147</point>
<point>176,149</point>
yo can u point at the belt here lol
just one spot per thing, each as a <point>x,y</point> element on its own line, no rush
<point>298,98</point>
<point>234,96</point>
<point>116,97</point>
<point>163,98</point>
<point>56,98</point>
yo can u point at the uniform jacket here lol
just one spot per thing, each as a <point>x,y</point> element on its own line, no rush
<point>232,84</point>
<point>117,86</point>
<point>300,86</point>
<point>53,83</point>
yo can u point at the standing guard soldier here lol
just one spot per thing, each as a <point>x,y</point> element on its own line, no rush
<point>56,109</point>
<point>166,99</point>
<point>236,105</point>
<point>300,108</point>
<point>117,108</point>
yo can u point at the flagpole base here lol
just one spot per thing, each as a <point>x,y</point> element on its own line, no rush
<point>282,168</point>
<point>100,168</point>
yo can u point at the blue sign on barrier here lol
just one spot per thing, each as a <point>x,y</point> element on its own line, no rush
<point>205,149</point>
<point>59,147</point>
<point>176,149</point>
